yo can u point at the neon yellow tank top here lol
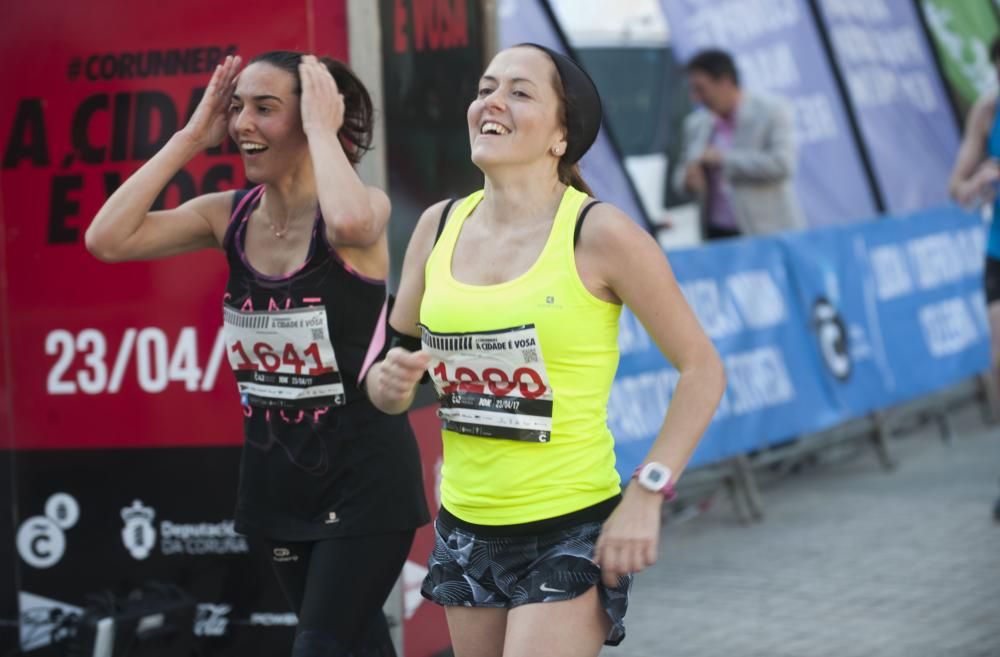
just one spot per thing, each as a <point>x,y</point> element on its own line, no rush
<point>523,370</point>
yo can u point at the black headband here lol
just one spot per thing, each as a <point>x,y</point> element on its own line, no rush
<point>583,104</point>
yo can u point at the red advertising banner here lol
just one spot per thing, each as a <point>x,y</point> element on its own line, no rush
<point>97,360</point>
<point>130,354</point>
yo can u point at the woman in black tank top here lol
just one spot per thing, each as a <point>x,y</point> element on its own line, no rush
<point>332,483</point>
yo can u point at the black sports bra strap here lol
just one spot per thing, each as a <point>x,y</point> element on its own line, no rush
<point>239,201</point>
<point>444,217</point>
<point>240,193</point>
<point>579,222</point>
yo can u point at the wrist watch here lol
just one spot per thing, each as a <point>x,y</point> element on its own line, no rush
<point>655,477</point>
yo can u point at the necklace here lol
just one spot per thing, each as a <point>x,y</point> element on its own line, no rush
<point>282,231</point>
<point>280,234</point>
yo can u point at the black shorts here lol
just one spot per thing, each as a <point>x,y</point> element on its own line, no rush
<point>991,279</point>
<point>470,570</point>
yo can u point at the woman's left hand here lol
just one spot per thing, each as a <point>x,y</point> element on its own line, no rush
<point>630,537</point>
<point>321,104</point>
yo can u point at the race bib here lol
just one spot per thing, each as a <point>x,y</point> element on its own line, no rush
<point>492,385</point>
<point>283,358</point>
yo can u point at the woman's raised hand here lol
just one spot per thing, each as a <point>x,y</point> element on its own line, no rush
<point>322,104</point>
<point>209,122</point>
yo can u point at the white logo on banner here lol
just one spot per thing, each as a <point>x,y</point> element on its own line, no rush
<point>41,619</point>
<point>948,327</point>
<point>40,539</point>
<point>139,535</point>
<point>831,332</point>
<point>892,273</point>
<point>272,619</point>
<point>715,310</point>
<point>927,262</point>
<point>758,379</point>
<point>758,298</point>
<point>936,259</point>
<point>211,619</point>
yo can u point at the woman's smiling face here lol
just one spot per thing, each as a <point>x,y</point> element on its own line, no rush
<point>514,118</point>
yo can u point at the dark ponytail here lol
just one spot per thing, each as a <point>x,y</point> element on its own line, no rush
<point>569,172</point>
<point>356,132</point>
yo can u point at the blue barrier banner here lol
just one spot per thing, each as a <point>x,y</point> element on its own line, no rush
<point>523,21</point>
<point>777,48</point>
<point>898,98</point>
<point>741,293</point>
<point>815,328</point>
<point>832,286</point>
<point>928,299</point>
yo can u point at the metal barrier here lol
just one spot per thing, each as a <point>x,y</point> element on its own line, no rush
<point>737,475</point>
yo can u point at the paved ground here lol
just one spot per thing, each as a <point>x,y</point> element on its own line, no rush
<point>850,561</point>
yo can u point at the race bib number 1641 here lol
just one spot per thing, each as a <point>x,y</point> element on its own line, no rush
<point>283,358</point>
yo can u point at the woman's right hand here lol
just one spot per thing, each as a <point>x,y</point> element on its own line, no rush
<point>209,122</point>
<point>985,179</point>
<point>392,383</point>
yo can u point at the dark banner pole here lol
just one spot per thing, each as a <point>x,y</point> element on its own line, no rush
<point>852,118</point>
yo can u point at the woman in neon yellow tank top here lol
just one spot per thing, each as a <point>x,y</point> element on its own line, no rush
<point>515,317</point>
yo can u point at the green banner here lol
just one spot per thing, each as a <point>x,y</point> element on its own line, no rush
<point>962,31</point>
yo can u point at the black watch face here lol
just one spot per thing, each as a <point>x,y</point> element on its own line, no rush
<point>655,477</point>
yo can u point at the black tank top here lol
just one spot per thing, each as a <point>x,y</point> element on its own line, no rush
<point>319,459</point>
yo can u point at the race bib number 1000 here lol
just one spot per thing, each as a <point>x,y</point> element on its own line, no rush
<point>284,358</point>
<point>492,385</point>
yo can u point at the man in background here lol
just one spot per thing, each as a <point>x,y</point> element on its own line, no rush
<point>738,155</point>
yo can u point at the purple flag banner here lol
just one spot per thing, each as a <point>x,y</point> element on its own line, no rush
<point>898,99</point>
